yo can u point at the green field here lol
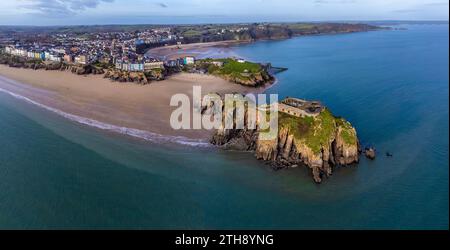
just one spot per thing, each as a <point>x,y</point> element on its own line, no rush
<point>231,67</point>
<point>192,33</point>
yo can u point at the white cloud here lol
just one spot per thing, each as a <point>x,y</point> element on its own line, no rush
<point>162,11</point>
<point>60,7</point>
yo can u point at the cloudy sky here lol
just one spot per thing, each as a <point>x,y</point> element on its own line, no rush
<point>67,12</point>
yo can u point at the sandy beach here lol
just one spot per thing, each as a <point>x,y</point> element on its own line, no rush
<point>122,104</point>
<point>193,49</point>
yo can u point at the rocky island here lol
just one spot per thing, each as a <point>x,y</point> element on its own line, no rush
<point>308,134</point>
<point>234,70</point>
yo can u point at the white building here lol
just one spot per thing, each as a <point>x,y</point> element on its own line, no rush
<point>8,50</point>
<point>153,65</point>
<point>81,59</point>
<point>217,63</point>
<point>189,60</point>
<point>54,58</point>
<point>22,52</point>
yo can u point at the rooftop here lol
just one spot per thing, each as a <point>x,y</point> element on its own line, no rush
<point>300,107</point>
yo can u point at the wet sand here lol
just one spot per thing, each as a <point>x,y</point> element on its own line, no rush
<point>122,104</point>
<point>193,49</point>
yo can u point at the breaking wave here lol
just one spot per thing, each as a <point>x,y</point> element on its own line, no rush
<point>137,133</point>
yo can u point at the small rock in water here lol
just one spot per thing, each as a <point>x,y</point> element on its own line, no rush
<point>370,153</point>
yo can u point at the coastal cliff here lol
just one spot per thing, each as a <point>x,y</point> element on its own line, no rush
<point>252,79</point>
<point>90,69</point>
<point>36,64</point>
<point>319,142</point>
<point>244,73</point>
<point>233,70</point>
<point>257,31</point>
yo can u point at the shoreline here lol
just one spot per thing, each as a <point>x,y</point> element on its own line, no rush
<point>176,51</point>
<point>187,49</point>
<point>135,110</point>
<point>140,134</point>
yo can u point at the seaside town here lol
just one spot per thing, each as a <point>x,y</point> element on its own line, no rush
<point>120,56</point>
<point>120,52</point>
<point>118,49</point>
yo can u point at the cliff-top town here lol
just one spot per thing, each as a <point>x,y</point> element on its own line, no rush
<point>118,50</point>
<point>108,48</point>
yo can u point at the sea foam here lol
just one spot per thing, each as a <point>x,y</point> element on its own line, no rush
<point>137,133</point>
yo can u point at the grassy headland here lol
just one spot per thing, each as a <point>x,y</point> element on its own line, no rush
<point>237,71</point>
<point>315,132</point>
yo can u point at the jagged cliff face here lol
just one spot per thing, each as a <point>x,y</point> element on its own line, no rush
<point>122,76</point>
<point>136,77</point>
<point>290,149</point>
<point>252,80</point>
<point>318,143</point>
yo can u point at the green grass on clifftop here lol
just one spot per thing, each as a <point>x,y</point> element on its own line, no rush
<point>233,68</point>
<point>314,132</point>
<point>348,133</point>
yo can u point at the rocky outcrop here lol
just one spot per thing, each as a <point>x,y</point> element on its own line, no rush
<point>250,79</point>
<point>370,153</point>
<point>345,153</point>
<point>326,143</point>
<point>84,70</point>
<point>26,63</point>
<point>157,74</point>
<point>124,76</point>
<point>287,150</point>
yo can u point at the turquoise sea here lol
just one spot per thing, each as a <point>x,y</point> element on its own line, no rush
<point>393,85</point>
